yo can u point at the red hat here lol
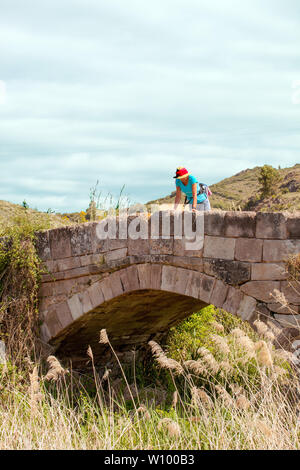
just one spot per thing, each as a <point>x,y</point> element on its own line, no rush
<point>181,173</point>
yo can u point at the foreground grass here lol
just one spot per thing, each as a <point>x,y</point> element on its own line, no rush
<point>199,403</point>
<point>56,426</point>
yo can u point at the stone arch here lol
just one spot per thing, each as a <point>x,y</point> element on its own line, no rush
<point>136,304</point>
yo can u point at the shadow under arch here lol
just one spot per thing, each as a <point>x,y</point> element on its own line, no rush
<point>131,320</point>
<point>137,304</point>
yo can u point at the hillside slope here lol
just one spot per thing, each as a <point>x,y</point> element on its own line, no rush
<point>10,214</point>
<point>242,191</point>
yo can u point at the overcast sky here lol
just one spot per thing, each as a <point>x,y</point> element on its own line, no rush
<point>125,91</point>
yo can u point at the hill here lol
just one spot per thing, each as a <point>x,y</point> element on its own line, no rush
<point>242,192</point>
<point>11,214</point>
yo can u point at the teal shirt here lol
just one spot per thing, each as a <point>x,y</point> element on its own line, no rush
<point>188,190</point>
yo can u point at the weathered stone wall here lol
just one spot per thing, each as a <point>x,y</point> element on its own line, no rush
<point>238,268</point>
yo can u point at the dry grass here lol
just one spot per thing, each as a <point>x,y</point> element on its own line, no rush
<point>55,411</point>
<point>12,214</point>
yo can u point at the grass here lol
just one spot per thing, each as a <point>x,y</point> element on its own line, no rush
<point>12,215</point>
<point>199,405</point>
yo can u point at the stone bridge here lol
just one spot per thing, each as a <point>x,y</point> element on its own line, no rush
<point>138,289</point>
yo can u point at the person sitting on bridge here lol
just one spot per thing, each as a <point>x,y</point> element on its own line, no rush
<point>196,197</point>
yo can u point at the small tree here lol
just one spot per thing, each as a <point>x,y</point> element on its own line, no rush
<point>268,179</point>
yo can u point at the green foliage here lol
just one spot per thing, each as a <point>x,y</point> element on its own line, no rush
<point>202,333</point>
<point>269,178</point>
<point>184,339</point>
<point>19,282</point>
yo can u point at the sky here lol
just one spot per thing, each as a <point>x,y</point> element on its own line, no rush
<point>125,91</point>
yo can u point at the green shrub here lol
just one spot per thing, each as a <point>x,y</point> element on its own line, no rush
<point>269,178</point>
<point>19,282</point>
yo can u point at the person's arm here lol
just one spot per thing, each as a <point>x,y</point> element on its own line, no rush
<point>194,190</point>
<point>177,197</point>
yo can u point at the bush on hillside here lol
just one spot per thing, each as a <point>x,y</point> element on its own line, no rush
<point>269,178</point>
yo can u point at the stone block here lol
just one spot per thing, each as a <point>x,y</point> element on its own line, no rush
<point>214,223</point>
<point>116,284</point>
<point>240,224</point>
<point>206,288</point>
<point>293,226</point>
<point>64,287</point>
<point>45,333</point>
<point>106,289</point>
<point>180,249</point>
<point>138,227</point>
<point>44,304</point>
<point>247,308</point>
<point>161,225</point>
<point>68,263</point>
<point>138,247</point>
<point>271,225</point>
<point>75,306</point>
<point>193,284</point>
<point>46,290</point>
<point>144,273</point>
<point>53,277</point>
<point>261,290</point>
<point>288,320</point>
<point>268,272</point>
<point>181,279</point>
<point>161,246</point>
<point>42,245</point>
<point>233,300</point>
<point>231,272</point>
<point>156,276</point>
<point>63,313</point>
<point>161,259</point>
<point>284,310</point>
<point>138,259</point>
<point>125,280</point>
<point>95,294</point>
<point>117,244</point>
<point>85,260</point>
<point>168,278</point>
<point>85,301</point>
<point>52,322</point>
<point>98,244</point>
<point>218,247</point>
<point>81,239</point>
<point>218,294</point>
<point>248,249</point>
<point>280,250</point>
<point>132,273</point>
<point>50,266</point>
<point>81,272</point>
<point>60,244</point>
<point>291,291</point>
<point>117,263</point>
<point>115,255</point>
<point>196,264</point>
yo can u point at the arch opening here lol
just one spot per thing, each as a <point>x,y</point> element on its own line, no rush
<point>131,320</point>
